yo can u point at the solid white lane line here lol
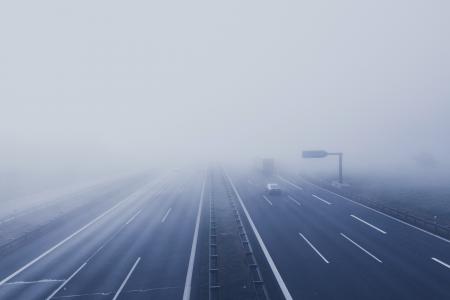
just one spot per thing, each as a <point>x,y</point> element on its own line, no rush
<point>441,262</point>
<point>60,243</point>
<point>81,296</point>
<point>314,248</point>
<point>126,279</point>
<point>269,259</point>
<point>65,282</point>
<point>110,239</point>
<point>188,282</point>
<point>294,200</point>
<point>267,199</point>
<point>166,215</point>
<point>360,247</point>
<point>89,295</point>
<point>291,183</point>
<point>34,282</point>
<point>132,218</point>
<point>132,196</point>
<point>381,213</point>
<point>368,224</point>
<point>318,198</point>
<point>93,255</point>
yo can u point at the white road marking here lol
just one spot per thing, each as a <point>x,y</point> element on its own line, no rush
<point>166,215</point>
<point>7,220</point>
<point>277,274</point>
<point>368,224</point>
<point>34,282</point>
<point>126,279</point>
<point>84,295</point>
<point>132,218</point>
<point>65,282</point>
<point>110,293</point>
<point>294,200</point>
<point>153,289</point>
<point>291,183</point>
<point>441,262</point>
<point>188,282</point>
<point>360,247</point>
<point>267,199</point>
<point>59,244</point>
<point>29,264</point>
<point>106,242</point>
<point>381,213</point>
<point>314,248</point>
<point>318,198</point>
<point>92,256</point>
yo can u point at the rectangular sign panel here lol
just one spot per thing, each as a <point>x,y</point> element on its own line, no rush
<point>314,154</point>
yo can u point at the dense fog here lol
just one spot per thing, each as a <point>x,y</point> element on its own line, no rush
<point>105,87</point>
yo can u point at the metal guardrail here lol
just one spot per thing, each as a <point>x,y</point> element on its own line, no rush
<point>255,273</point>
<point>406,216</point>
<point>412,219</point>
<point>213,254</point>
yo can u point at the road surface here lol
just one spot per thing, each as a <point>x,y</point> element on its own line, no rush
<point>153,241</point>
<point>327,247</point>
<point>135,249</point>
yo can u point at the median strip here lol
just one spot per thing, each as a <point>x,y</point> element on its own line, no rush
<point>276,273</point>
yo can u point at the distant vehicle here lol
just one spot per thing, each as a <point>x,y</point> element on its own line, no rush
<point>273,189</point>
<point>265,165</point>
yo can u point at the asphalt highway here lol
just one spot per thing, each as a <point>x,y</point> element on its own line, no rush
<point>326,246</point>
<point>310,243</point>
<point>137,248</point>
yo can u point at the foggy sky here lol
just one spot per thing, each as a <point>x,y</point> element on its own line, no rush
<point>86,83</point>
